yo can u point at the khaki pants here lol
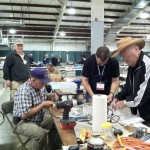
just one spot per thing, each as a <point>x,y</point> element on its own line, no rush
<point>39,133</point>
<point>13,88</point>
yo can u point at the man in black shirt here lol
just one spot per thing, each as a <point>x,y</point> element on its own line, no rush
<point>100,74</point>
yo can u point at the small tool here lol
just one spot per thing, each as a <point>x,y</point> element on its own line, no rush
<point>78,82</point>
<point>117,132</point>
<point>121,144</point>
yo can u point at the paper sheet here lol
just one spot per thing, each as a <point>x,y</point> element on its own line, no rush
<point>126,118</point>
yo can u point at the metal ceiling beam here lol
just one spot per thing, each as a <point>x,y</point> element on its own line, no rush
<point>115,10</point>
<point>25,18</point>
<point>29,5</point>
<point>63,7</point>
<point>41,13</point>
<point>28,12</point>
<point>117,2</point>
<point>41,5</point>
<point>79,8</point>
<point>111,17</point>
<point>48,37</point>
<point>34,29</point>
<point>134,33</point>
<point>140,24</point>
<point>30,33</point>
<point>136,27</point>
<point>55,14</point>
<point>61,26</point>
<point>122,36</point>
<point>39,19</point>
<point>44,29</point>
<point>77,15</point>
<point>132,12</point>
<point>76,21</point>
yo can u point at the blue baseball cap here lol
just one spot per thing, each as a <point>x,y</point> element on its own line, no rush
<point>41,74</point>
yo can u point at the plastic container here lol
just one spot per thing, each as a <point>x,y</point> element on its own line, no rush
<point>107,131</point>
<point>95,143</point>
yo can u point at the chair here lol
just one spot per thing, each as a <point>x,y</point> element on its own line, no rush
<point>7,108</point>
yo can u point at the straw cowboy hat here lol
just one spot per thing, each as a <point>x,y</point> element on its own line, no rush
<point>126,42</point>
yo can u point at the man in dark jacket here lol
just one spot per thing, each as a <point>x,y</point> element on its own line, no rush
<point>16,68</point>
<point>136,92</point>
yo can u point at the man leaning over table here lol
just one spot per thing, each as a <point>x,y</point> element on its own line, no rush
<point>30,102</point>
<point>136,92</point>
<point>100,74</point>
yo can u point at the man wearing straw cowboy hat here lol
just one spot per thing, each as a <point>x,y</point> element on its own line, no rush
<point>136,92</point>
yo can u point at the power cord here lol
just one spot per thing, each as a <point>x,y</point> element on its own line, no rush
<point>3,118</point>
<point>111,117</point>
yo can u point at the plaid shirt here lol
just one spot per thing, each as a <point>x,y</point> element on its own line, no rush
<point>26,98</point>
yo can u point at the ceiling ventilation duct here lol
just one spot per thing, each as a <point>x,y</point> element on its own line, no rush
<point>133,11</point>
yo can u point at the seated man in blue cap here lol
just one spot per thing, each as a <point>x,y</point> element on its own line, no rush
<point>28,113</point>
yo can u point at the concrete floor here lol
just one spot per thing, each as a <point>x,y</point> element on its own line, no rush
<point>8,140</point>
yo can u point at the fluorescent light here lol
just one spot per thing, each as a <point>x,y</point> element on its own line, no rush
<point>12,31</point>
<point>72,11</point>
<point>148,36</point>
<point>144,15</point>
<point>62,33</point>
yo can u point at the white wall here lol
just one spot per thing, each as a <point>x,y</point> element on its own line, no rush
<point>37,46</point>
<point>70,47</point>
<point>65,46</point>
<point>56,47</point>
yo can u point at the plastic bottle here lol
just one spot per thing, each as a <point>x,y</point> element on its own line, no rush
<point>107,131</point>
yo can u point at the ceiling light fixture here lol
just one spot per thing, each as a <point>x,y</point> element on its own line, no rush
<point>144,15</point>
<point>12,31</point>
<point>71,10</point>
<point>148,36</point>
<point>62,33</point>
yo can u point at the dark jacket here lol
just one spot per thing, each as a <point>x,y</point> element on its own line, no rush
<point>136,91</point>
<point>15,69</point>
<point>46,61</point>
<point>54,61</point>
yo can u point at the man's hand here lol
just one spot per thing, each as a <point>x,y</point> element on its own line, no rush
<point>117,104</point>
<point>120,105</point>
<point>110,97</point>
<point>113,104</point>
<point>53,97</point>
<point>47,104</point>
<point>8,83</point>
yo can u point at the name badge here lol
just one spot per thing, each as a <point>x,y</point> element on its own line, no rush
<point>100,86</point>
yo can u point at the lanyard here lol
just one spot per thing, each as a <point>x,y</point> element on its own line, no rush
<point>100,74</point>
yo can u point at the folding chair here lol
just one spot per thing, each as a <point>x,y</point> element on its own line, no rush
<point>7,108</point>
